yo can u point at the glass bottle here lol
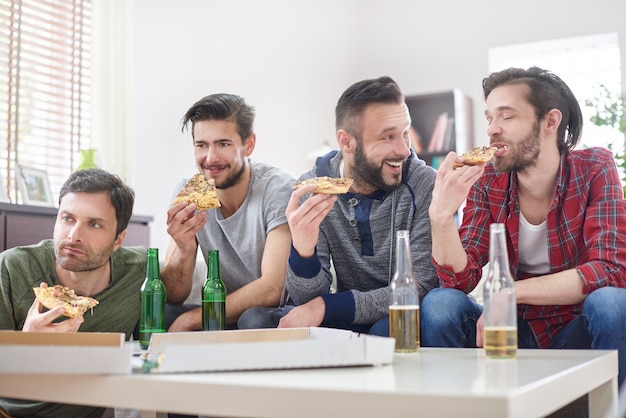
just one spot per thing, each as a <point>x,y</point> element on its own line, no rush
<point>213,296</point>
<point>500,306</point>
<point>404,318</point>
<point>153,297</point>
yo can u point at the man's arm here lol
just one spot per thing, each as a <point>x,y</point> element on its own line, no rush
<point>264,291</point>
<point>182,225</point>
<point>451,189</point>
<point>562,288</point>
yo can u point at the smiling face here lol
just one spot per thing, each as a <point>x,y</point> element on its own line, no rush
<point>220,152</point>
<point>84,231</point>
<point>376,159</point>
<point>512,124</point>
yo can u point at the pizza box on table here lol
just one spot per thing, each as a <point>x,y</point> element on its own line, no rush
<point>262,349</point>
<point>64,353</point>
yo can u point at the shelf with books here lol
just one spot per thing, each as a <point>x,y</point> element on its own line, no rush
<point>441,122</point>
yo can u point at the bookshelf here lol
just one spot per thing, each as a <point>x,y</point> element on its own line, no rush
<point>441,122</point>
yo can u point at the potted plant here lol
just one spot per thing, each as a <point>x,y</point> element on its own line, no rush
<point>609,109</point>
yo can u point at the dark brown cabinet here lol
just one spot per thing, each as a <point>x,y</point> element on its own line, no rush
<point>25,225</point>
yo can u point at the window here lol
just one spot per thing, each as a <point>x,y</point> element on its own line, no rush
<point>584,63</point>
<point>45,79</point>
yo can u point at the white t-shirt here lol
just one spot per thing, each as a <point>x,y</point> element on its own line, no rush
<point>533,247</point>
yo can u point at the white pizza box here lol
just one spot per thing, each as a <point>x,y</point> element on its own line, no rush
<point>262,349</point>
<point>64,353</point>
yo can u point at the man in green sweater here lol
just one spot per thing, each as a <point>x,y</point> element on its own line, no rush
<point>86,255</point>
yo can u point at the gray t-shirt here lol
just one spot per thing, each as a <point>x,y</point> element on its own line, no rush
<point>241,237</point>
<point>23,268</point>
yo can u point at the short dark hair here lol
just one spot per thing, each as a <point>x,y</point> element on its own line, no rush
<point>358,96</point>
<point>96,180</point>
<point>222,106</point>
<point>546,91</point>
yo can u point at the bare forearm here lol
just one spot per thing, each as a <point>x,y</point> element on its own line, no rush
<point>177,273</point>
<point>563,288</point>
<point>447,247</point>
<point>255,293</point>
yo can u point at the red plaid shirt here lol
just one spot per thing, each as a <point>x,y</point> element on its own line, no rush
<point>586,230</point>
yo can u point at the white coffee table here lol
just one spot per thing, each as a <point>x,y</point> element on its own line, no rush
<point>432,383</point>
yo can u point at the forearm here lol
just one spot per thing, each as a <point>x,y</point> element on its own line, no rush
<point>260,292</point>
<point>447,247</point>
<point>563,288</point>
<point>177,273</point>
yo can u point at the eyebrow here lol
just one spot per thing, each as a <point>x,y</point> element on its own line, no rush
<point>500,109</point>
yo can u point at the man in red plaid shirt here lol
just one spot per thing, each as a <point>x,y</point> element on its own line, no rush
<point>565,217</point>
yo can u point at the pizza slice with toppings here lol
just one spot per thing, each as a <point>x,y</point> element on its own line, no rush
<point>200,191</point>
<point>58,295</point>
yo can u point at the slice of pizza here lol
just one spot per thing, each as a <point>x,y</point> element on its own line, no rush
<point>58,295</point>
<point>200,191</point>
<point>477,155</point>
<point>328,185</point>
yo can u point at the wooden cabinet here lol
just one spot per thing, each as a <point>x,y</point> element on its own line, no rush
<point>25,225</point>
<point>441,122</point>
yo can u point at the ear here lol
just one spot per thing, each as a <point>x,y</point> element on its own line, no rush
<point>250,144</point>
<point>553,120</point>
<point>346,141</point>
<point>119,240</point>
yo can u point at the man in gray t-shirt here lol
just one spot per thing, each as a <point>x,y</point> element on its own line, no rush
<point>249,229</point>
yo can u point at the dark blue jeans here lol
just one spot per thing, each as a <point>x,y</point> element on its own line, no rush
<point>448,319</point>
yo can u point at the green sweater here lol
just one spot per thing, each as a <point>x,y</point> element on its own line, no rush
<point>23,268</point>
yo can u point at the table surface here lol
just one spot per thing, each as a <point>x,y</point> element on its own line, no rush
<point>435,382</point>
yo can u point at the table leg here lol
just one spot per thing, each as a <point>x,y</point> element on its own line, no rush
<point>603,400</point>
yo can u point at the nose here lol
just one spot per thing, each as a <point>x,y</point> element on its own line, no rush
<point>403,147</point>
<point>493,130</point>
<point>74,233</point>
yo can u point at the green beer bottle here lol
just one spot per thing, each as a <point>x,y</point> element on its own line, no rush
<point>213,296</point>
<point>153,298</point>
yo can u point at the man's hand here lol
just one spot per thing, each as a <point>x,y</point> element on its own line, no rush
<point>311,314</point>
<point>183,222</point>
<point>304,220</point>
<point>42,322</point>
<point>188,321</point>
<point>479,332</point>
<point>452,187</point>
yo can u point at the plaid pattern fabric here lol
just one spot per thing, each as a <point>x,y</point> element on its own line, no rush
<point>586,231</point>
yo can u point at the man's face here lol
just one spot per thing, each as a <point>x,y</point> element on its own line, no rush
<point>384,146</point>
<point>512,123</point>
<point>220,152</point>
<point>84,232</point>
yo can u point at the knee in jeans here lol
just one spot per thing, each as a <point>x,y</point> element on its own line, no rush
<point>443,305</point>
<point>607,302</point>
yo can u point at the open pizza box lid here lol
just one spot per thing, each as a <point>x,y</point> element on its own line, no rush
<point>266,349</point>
<point>64,353</point>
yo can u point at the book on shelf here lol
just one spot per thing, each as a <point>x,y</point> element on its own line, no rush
<point>439,133</point>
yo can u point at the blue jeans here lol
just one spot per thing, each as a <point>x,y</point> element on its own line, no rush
<point>448,319</point>
<point>260,317</point>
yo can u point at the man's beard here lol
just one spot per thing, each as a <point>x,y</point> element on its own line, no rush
<point>92,262</point>
<point>232,179</point>
<point>371,173</point>
<point>524,156</point>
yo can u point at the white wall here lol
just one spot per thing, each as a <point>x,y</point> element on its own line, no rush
<point>292,60</point>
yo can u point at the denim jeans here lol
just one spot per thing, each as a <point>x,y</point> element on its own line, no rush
<point>448,319</point>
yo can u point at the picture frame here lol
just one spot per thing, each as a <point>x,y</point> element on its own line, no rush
<point>34,186</point>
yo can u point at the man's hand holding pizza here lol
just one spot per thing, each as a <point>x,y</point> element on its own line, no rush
<point>38,321</point>
<point>304,219</point>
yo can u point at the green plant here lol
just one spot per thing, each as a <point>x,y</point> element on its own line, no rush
<point>610,110</point>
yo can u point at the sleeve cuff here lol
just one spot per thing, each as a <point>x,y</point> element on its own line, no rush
<point>304,267</point>
<point>340,307</point>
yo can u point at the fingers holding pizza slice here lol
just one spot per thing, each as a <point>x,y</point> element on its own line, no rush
<point>74,305</point>
<point>327,185</point>
<point>200,191</point>
<point>476,156</point>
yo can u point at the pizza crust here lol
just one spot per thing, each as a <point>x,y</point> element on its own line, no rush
<point>477,155</point>
<point>200,191</point>
<point>328,185</point>
<point>58,295</point>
